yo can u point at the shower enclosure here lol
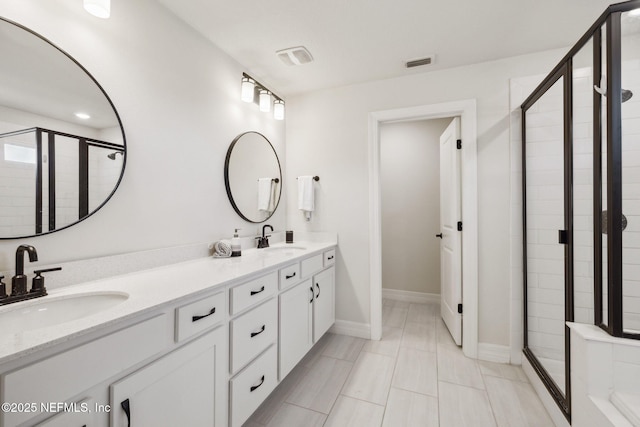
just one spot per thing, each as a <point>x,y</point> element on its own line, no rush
<point>581,196</point>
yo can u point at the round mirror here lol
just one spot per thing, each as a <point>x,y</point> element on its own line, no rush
<point>62,145</point>
<point>253,177</point>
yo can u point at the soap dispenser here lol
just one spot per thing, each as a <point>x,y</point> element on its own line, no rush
<point>236,249</point>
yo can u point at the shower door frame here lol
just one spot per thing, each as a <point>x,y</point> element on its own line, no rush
<point>614,326</point>
<point>566,74</point>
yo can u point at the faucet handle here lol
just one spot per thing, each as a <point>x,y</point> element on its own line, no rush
<point>37,284</point>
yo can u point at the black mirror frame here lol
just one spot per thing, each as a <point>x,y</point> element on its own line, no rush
<point>228,185</point>
<point>124,138</point>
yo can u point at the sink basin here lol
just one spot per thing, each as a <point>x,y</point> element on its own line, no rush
<point>284,249</point>
<point>54,311</point>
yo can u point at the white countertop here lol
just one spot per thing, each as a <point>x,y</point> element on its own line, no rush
<point>148,290</point>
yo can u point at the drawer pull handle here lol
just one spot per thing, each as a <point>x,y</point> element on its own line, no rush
<point>289,277</point>
<point>257,292</point>
<point>318,295</point>
<point>330,258</point>
<point>196,318</point>
<point>127,410</point>
<point>255,387</point>
<point>311,289</point>
<point>253,334</point>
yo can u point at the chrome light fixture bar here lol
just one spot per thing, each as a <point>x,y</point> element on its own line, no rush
<point>250,87</point>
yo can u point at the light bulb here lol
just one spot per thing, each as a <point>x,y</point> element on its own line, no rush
<point>278,109</point>
<point>248,86</point>
<point>265,101</point>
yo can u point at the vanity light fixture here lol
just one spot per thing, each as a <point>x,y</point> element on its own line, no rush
<point>265,101</point>
<point>248,88</point>
<point>278,109</point>
<point>251,86</point>
<point>98,8</point>
<point>83,116</point>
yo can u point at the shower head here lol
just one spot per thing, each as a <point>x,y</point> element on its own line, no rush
<point>112,156</point>
<point>625,94</point>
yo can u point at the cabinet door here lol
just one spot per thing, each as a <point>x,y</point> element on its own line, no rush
<point>324,302</point>
<point>183,388</point>
<point>296,318</point>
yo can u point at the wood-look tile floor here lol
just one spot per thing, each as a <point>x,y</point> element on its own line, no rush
<point>414,376</point>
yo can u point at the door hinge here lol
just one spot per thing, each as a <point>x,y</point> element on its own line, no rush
<point>460,308</point>
<point>459,225</point>
<point>459,144</point>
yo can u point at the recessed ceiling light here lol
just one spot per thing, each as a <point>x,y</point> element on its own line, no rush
<point>83,116</point>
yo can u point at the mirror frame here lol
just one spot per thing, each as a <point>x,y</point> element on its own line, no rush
<point>227,184</point>
<point>124,137</point>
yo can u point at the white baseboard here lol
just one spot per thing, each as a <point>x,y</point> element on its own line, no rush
<point>353,329</point>
<point>494,352</point>
<point>410,296</point>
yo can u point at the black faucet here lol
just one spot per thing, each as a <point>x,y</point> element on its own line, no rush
<point>19,281</point>
<point>263,242</point>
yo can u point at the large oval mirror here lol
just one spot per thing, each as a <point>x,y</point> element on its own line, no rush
<point>62,145</point>
<point>253,177</point>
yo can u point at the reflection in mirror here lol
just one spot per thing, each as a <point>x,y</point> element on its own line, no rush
<point>253,177</point>
<point>62,146</point>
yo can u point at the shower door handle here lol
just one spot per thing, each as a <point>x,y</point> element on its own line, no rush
<point>563,237</point>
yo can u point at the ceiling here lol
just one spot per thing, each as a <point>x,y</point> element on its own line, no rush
<point>354,41</point>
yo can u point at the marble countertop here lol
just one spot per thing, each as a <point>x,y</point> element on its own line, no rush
<point>149,290</point>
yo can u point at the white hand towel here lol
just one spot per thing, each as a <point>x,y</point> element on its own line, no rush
<point>264,194</point>
<point>305,195</point>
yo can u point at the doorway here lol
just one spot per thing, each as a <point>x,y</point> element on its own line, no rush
<point>420,210</point>
<point>466,110</point>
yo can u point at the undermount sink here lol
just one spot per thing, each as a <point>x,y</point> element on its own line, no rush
<point>57,310</point>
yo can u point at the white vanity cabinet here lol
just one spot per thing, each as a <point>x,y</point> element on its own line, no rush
<point>296,325</point>
<point>180,389</point>
<point>324,315</point>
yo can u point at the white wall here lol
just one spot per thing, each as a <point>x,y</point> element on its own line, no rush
<point>178,98</point>
<point>410,187</point>
<point>327,135</point>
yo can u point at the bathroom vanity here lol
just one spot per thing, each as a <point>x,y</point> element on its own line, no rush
<point>199,343</point>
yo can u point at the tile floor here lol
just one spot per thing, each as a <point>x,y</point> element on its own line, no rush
<point>414,376</point>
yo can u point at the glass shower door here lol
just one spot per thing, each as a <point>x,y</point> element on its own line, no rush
<point>546,236</point>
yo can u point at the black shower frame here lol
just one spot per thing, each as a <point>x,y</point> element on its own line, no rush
<point>614,326</point>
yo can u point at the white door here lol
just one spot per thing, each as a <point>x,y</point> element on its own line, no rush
<point>451,238</point>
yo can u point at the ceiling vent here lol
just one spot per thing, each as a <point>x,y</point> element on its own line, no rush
<point>420,62</point>
<point>295,55</point>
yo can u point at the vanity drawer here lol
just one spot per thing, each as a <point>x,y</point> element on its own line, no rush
<point>252,332</point>
<point>311,265</point>
<point>329,257</point>
<point>198,316</point>
<point>252,386</point>
<point>289,275</point>
<point>252,292</point>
